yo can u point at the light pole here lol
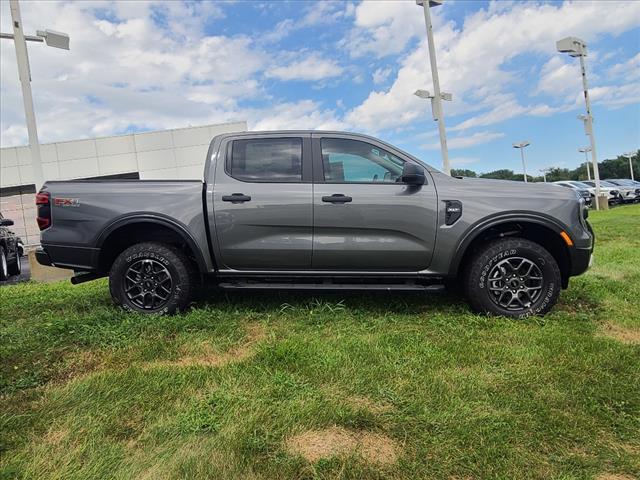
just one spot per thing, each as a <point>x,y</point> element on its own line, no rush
<point>630,156</point>
<point>522,146</point>
<point>544,173</point>
<point>576,47</point>
<point>53,39</point>
<point>585,150</point>
<point>436,101</point>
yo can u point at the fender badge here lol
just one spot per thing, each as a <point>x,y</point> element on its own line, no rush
<point>66,202</point>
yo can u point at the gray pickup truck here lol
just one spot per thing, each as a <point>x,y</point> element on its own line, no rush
<point>317,210</point>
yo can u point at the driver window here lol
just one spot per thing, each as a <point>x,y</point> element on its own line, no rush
<point>353,161</point>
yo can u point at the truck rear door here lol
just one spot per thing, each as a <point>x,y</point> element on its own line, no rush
<point>262,202</point>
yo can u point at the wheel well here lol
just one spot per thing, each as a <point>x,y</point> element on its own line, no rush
<point>540,234</point>
<point>127,235</point>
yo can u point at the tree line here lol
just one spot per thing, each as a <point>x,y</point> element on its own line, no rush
<point>610,168</point>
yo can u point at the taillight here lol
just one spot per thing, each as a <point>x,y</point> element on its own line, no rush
<point>44,210</point>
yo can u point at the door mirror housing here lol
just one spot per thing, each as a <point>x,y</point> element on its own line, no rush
<point>5,222</point>
<point>413,174</point>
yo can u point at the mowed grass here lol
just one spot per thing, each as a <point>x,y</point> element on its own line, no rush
<point>391,386</point>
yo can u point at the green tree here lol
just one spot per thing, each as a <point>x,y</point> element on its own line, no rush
<point>503,174</point>
<point>463,172</point>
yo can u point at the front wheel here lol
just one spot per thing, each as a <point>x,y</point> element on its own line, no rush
<point>514,278</point>
<point>152,278</point>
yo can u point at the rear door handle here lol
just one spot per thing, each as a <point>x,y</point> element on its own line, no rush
<point>337,198</point>
<point>236,198</point>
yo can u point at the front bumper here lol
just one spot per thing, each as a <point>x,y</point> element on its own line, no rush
<point>582,257</point>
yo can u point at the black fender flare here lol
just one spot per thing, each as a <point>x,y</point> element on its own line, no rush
<point>154,219</point>
<point>481,226</point>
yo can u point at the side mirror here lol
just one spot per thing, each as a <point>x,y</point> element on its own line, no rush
<point>413,174</point>
<point>5,222</point>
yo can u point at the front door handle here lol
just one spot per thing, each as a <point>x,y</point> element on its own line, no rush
<point>236,198</point>
<point>337,198</point>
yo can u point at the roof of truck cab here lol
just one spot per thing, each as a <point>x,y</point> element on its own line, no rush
<point>221,136</point>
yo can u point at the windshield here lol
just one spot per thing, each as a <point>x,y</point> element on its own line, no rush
<point>579,184</point>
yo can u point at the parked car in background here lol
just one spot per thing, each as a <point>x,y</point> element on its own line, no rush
<point>583,190</point>
<point>633,185</point>
<point>9,255</point>
<point>317,210</point>
<point>612,191</point>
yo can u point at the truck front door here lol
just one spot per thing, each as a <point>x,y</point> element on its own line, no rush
<point>365,219</point>
<point>263,204</point>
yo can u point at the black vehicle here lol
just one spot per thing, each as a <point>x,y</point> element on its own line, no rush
<point>9,250</point>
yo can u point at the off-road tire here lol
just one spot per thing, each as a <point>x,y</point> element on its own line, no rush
<point>15,268</point>
<point>183,279</point>
<point>491,271</point>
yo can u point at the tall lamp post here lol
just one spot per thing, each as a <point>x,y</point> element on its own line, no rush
<point>576,47</point>
<point>630,156</point>
<point>53,39</point>
<point>522,146</point>
<point>437,98</point>
<point>544,172</point>
<point>586,150</point>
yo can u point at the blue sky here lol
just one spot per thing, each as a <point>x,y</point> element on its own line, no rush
<point>336,65</point>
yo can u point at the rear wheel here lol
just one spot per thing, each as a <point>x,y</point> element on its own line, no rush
<point>514,278</point>
<point>152,278</point>
<point>15,268</point>
<point>4,270</point>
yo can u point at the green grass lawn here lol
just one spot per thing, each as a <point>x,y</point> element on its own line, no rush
<point>384,386</point>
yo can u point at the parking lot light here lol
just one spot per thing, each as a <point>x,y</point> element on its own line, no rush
<point>630,156</point>
<point>52,39</point>
<point>576,47</point>
<point>522,146</point>
<point>586,150</point>
<point>436,100</point>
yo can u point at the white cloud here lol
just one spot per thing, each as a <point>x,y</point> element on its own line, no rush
<point>310,68</point>
<point>474,59</point>
<point>466,141</point>
<point>125,70</point>
<point>626,71</point>
<point>305,114</point>
<point>381,75</point>
<point>559,77</point>
<point>384,28</point>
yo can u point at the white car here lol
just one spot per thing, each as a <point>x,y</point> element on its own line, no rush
<point>583,190</point>
<point>619,193</point>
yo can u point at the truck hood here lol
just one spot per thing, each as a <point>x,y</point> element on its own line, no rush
<point>519,189</point>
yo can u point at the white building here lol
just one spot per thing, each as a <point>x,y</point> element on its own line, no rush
<point>167,154</point>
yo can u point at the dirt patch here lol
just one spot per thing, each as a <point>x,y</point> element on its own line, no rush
<point>614,476</point>
<point>209,357</point>
<point>315,445</point>
<point>622,334</point>
<point>56,436</point>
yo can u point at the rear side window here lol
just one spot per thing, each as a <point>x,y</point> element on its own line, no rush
<point>266,160</point>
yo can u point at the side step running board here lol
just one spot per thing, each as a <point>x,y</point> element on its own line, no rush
<point>330,286</point>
